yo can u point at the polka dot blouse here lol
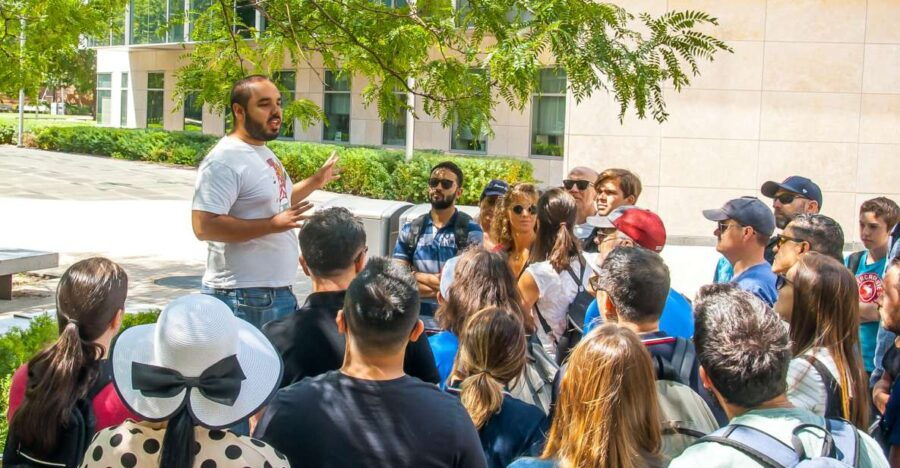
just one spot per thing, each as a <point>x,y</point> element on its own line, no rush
<point>133,444</point>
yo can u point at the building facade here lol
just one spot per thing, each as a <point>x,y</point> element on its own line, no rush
<point>812,88</point>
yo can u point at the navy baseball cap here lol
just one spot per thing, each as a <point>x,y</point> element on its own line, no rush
<point>494,188</point>
<point>748,211</point>
<point>794,184</point>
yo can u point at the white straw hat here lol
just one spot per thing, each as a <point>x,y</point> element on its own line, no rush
<point>200,355</point>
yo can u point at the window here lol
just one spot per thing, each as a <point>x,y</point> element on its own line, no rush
<point>104,98</point>
<point>244,17</point>
<point>155,95</point>
<point>286,80</point>
<point>148,21</point>
<point>123,103</point>
<point>197,7</point>
<point>193,113</point>
<point>394,3</point>
<point>337,106</point>
<point>393,130</point>
<point>465,138</point>
<point>548,114</point>
<point>176,21</point>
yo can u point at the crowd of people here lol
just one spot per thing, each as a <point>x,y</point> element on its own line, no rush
<point>556,338</point>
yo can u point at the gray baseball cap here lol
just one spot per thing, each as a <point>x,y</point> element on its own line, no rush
<point>748,211</point>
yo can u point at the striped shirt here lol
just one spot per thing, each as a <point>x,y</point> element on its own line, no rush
<point>805,386</point>
<point>434,246</point>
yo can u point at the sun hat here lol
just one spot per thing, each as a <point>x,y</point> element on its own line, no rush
<point>200,355</point>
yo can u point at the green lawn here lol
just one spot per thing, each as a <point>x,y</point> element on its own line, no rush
<point>44,120</point>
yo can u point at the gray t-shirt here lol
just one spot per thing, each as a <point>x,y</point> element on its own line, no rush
<point>246,182</point>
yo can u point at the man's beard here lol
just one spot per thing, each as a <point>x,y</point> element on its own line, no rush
<point>443,203</point>
<point>260,131</point>
<point>782,220</point>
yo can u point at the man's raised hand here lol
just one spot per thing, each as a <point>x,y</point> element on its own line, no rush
<point>328,172</point>
<point>291,217</point>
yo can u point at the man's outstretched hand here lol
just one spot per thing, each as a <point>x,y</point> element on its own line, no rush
<point>291,217</point>
<point>328,172</point>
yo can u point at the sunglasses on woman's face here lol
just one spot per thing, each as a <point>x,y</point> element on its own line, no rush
<point>581,184</point>
<point>519,209</point>
<point>445,183</point>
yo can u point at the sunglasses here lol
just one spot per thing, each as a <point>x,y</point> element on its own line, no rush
<point>724,225</point>
<point>444,183</point>
<point>519,209</point>
<point>782,239</point>
<point>786,198</point>
<point>581,184</point>
<point>781,281</point>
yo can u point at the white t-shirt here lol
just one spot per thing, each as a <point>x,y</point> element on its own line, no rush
<point>556,291</point>
<point>246,182</point>
<point>805,388</point>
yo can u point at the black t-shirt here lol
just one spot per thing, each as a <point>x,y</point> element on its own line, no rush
<point>516,430</point>
<point>891,361</point>
<point>334,420</point>
<point>310,344</point>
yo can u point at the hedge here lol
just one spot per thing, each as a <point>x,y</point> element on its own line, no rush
<point>7,134</point>
<point>18,346</point>
<point>369,172</point>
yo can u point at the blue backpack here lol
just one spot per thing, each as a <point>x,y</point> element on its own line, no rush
<point>840,449</point>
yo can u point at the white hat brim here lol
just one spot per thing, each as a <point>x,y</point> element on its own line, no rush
<point>259,361</point>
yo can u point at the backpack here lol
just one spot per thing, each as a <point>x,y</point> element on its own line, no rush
<point>535,385</point>
<point>460,232</point>
<point>853,261</point>
<point>685,415</point>
<point>73,440</point>
<point>574,315</point>
<point>840,448</point>
<point>833,396</point>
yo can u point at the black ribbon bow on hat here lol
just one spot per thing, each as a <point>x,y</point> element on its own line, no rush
<point>220,382</point>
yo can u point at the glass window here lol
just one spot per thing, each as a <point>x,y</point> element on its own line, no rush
<point>197,7</point>
<point>148,21</point>
<point>394,3</point>
<point>548,114</point>
<point>176,21</point>
<point>393,131</point>
<point>155,96</point>
<point>467,138</point>
<point>123,102</point>
<point>286,80</point>
<point>193,113</point>
<point>244,17</point>
<point>104,98</point>
<point>337,106</point>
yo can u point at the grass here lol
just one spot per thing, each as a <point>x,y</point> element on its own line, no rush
<point>44,120</point>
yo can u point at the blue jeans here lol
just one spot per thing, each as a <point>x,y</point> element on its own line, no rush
<point>256,305</point>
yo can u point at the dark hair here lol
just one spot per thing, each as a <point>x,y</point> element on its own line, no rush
<point>556,241</point>
<point>742,345</point>
<point>331,240</point>
<point>381,305</point>
<point>823,234</point>
<point>89,295</point>
<point>825,315</point>
<point>178,441</point>
<point>637,280</point>
<point>482,279</point>
<point>452,167</point>
<point>629,182</point>
<point>240,91</point>
<point>491,355</point>
<point>884,209</point>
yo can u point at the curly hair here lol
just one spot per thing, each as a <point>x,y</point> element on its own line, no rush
<point>501,230</point>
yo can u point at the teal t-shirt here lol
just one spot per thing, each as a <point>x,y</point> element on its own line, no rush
<point>871,287</point>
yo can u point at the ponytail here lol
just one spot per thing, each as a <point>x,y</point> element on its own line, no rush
<point>565,246</point>
<point>58,377</point>
<point>178,443</point>
<point>481,395</point>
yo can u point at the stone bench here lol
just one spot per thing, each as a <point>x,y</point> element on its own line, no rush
<point>14,261</point>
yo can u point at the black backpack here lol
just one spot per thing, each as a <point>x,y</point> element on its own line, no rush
<point>832,388</point>
<point>854,260</point>
<point>73,440</point>
<point>574,315</point>
<point>460,232</point>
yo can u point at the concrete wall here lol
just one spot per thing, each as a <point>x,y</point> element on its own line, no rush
<point>812,88</point>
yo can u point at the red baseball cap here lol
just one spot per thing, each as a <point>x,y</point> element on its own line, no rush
<point>643,226</point>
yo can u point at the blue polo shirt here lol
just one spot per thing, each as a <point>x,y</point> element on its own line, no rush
<point>435,246</point>
<point>759,280</point>
<point>677,317</point>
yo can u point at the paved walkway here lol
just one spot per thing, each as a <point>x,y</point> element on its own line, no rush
<point>135,213</point>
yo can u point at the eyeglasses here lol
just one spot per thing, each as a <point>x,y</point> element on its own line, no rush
<point>581,184</point>
<point>782,239</point>
<point>781,281</point>
<point>519,209</point>
<point>361,253</point>
<point>595,283</point>
<point>602,234</point>
<point>786,198</point>
<point>445,183</point>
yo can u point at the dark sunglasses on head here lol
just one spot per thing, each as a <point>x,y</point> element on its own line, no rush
<point>783,238</point>
<point>445,183</point>
<point>786,198</point>
<point>519,209</point>
<point>781,281</point>
<point>581,184</point>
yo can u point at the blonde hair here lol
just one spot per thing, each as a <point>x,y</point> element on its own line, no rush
<point>607,415</point>
<point>491,354</point>
<point>501,229</point>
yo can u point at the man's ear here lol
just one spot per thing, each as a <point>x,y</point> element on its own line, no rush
<point>305,268</point>
<point>417,331</point>
<point>360,262</point>
<point>631,200</point>
<point>813,207</point>
<point>341,323</point>
<point>607,307</point>
<point>440,298</point>
<point>705,380</point>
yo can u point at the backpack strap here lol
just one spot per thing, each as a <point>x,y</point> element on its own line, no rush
<point>765,449</point>
<point>415,232</point>
<point>461,230</point>
<point>544,324</point>
<point>854,260</point>
<point>832,388</point>
<point>683,359</point>
<point>576,278</point>
<point>846,440</point>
